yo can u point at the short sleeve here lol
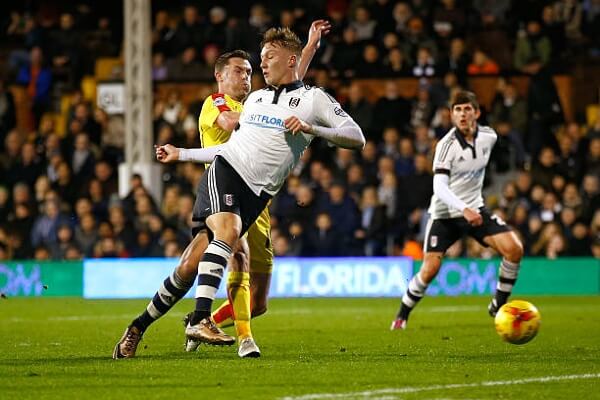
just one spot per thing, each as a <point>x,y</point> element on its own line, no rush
<point>212,107</point>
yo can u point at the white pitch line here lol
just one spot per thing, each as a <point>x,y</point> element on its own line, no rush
<point>416,389</point>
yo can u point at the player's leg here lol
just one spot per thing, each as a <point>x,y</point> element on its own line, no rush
<point>238,291</point>
<point>417,287</point>
<point>509,246</point>
<point>494,232</point>
<point>261,266</point>
<point>261,262</point>
<point>174,288</point>
<point>226,228</point>
<point>440,235</point>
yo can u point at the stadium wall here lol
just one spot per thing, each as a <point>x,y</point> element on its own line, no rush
<point>301,277</point>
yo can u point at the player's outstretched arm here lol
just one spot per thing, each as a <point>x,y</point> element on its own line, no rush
<point>348,136</point>
<point>169,153</point>
<point>317,29</point>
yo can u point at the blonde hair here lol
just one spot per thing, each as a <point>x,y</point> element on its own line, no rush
<point>283,37</point>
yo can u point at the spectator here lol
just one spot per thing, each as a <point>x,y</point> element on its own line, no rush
<point>544,109</point>
<point>86,234</point>
<point>369,65</point>
<point>389,147</point>
<point>8,116</point>
<point>189,31</point>
<point>363,24</point>
<point>543,171</point>
<point>482,65</point>
<point>216,29</point>
<point>122,229</point>
<point>392,110</point>
<point>358,107</point>
<point>323,238</point>
<point>45,227</point>
<point>422,108</point>
<point>66,51</point>
<point>372,231</point>
<point>415,38</point>
<point>405,160</point>
<point>508,153</point>
<point>532,47</point>
<point>162,33</point>
<point>448,20</point>
<point>396,64</point>
<point>29,167</point>
<point>568,164</point>
<point>457,60</point>
<point>186,67</point>
<point>37,77</point>
<point>347,54</point>
<point>425,64</point>
<point>83,159</point>
<point>160,70</point>
<point>401,13</point>
<point>509,106</point>
<point>64,240</point>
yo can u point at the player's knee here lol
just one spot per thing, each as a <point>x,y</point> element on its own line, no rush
<point>431,266</point>
<point>515,252</point>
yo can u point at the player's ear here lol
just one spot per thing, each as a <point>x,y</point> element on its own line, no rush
<point>477,113</point>
<point>293,61</point>
<point>218,75</point>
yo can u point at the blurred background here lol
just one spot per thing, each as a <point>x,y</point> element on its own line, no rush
<point>535,66</point>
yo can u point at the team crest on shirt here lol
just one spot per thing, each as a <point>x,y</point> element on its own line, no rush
<point>485,150</point>
<point>433,241</point>
<point>461,159</point>
<point>229,200</point>
<point>259,100</point>
<point>294,101</point>
<point>219,101</point>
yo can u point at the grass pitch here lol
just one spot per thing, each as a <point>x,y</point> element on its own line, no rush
<point>312,349</point>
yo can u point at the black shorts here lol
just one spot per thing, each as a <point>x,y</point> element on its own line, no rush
<point>442,233</point>
<point>223,190</point>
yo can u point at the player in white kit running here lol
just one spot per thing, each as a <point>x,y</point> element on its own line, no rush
<point>457,207</point>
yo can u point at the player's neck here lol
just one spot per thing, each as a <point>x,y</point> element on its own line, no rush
<point>289,78</point>
<point>468,134</point>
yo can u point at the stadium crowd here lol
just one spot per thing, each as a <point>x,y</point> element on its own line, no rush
<point>58,193</point>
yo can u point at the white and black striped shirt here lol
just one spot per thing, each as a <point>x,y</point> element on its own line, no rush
<point>465,165</point>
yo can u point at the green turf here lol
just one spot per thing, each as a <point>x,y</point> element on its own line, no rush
<point>61,348</point>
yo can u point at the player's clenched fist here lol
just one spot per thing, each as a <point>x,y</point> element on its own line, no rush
<point>295,125</point>
<point>167,153</point>
<point>472,217</point>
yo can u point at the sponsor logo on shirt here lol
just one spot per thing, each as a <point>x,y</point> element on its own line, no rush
<point>339,112</point>
<point>219,101</point>
<point>265,120</point>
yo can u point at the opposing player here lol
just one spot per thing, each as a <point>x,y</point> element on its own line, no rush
<point>275,127</point>
<point>233,72</point>
<point>457,207</point>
